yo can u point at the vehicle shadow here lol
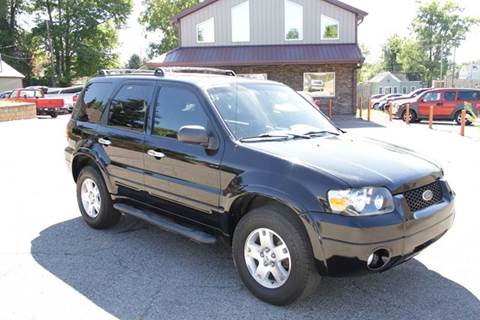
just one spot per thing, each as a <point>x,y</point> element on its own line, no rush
<point>350,122</point>
<point>135,271</point>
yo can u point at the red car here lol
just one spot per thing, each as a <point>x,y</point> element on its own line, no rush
<point>45,106</point>
<point>447,105</point>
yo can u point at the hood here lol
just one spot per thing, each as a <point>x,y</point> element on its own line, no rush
<point>359,162</point>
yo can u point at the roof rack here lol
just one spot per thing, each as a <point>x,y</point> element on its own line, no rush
<point>110,72</point>
<point>161,71</point>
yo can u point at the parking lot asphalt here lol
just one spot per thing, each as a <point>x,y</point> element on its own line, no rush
<point>52,266</point>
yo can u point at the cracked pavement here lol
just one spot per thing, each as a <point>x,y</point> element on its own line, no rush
<point>52,266</point>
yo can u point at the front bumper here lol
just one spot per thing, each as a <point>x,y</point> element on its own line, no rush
<point>344,244</point>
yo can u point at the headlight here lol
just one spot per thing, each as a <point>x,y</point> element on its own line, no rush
<point>361,202</point>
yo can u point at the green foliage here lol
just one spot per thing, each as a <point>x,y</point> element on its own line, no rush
<point>157,16</point>
<point>391,54</point>
<point>293,34</point>
<point>438,29</point>
<point>135,62</point>
<point>83,34</point>
<point>331,32</point>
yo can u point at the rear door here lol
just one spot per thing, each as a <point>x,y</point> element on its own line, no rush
<point>470,99</point>
<point>122,138</point>
<point>185,175</point>
<point>448,104</point>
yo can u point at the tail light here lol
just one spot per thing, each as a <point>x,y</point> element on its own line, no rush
<point>75,98</point>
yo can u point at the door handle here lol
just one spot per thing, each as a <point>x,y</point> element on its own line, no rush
<point>155,154</point>
<point>104,141</point>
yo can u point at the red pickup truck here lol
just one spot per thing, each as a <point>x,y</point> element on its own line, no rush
<point>45,106</point>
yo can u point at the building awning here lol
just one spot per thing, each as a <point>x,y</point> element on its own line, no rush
<point>260,55</point>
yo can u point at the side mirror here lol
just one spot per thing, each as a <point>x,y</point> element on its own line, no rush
<point>193,134</point>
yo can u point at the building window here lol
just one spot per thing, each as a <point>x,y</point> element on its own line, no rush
<point>241,22</point>
<point>395,90</point>
<point>380,90</point>
<point>321,84</point>
<point>404,90</point>
<point>414,88</point>
<point>206,31</point>
<point>330,28</point>
<point>256,76</point>
<point>388,90</point>
<point>293,21</point>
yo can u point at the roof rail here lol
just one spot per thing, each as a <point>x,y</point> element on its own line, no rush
<point>110,72</point>
<point>161,71</point>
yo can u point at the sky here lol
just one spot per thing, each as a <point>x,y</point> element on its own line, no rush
<point>378,26</point>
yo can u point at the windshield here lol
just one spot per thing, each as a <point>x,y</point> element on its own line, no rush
<point>253,110</point>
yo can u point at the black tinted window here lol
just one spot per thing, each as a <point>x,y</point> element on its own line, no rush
<point>450,96</point>
<point>129,106</point>
<point>469,95</point>
<point>93,101</point>
<point>175,108</point>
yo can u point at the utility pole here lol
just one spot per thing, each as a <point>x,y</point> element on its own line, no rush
<point>50,48</point>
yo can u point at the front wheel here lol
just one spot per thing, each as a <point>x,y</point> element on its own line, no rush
<point>53,115</point>
<point>273,255</point>
<point>413,116</point>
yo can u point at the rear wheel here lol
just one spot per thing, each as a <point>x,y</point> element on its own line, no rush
<point>273,255</point>
<point>53,115</point>
<point>458,118</point>
<point>94,200</point>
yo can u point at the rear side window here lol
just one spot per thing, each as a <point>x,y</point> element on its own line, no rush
<point>469,95</point>
<point>450,96</point>
<point>93,101</point>
<point>129,106</point>
<point>175,108</point>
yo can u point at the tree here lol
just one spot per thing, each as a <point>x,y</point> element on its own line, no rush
<point>368,70</point>
<point>134,62</point>
<point>82,34</point>
<point>157,16</point>
<point>439,29</point>
<point>391,53</point>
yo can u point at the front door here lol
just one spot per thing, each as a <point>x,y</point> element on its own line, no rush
<point>448,105</point>
<point>432,98</point>
<point>123,137</point>
<point>181,174</point>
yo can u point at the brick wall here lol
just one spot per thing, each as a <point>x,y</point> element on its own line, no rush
<point>18,112</point>
<point>292,75</point>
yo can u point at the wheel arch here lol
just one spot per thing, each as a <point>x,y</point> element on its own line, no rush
<point>83,159</point>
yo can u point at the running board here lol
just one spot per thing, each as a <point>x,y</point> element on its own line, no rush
<point>166,224</point>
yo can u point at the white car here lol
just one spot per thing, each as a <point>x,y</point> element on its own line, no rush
<point>66,94</point>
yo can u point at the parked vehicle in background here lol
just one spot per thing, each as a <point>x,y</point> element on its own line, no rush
<point>251,162</point>
<point>66,94</point>
<point>376,97</point>
<point>447,105</point>
<point>384,100</point>
<point>44,89</point>
<point>406,98</point>
<point>45,106</point>
<point>5,94</point>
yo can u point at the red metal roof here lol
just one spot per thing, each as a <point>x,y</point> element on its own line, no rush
<point>205,3</point>
<point>260,55</point>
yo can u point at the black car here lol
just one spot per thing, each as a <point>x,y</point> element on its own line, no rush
<point>215,157</point>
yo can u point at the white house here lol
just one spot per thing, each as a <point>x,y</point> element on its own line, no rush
<point>9,78</point>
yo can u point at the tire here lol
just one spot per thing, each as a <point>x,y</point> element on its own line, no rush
<point>53,115</point>
<point>458,118</point>
<point>301,277</point>
<point>413,116</point>
<point>102,215</point>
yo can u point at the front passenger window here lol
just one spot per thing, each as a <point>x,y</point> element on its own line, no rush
<point>175,108</point>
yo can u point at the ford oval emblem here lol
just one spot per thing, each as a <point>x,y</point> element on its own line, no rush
<point>427,195</point>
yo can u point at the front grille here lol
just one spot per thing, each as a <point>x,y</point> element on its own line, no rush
<point>415,197</point>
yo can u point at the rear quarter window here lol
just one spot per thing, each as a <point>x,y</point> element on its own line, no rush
<point>469,95</point>
<point>92,102</point>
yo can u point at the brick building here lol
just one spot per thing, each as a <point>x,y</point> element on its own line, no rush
<point>310,45</point>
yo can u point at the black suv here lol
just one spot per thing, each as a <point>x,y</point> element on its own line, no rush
<point>212,156</point>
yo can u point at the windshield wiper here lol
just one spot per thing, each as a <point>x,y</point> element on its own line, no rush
<point>320,132</point>
<point>286,136</point>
